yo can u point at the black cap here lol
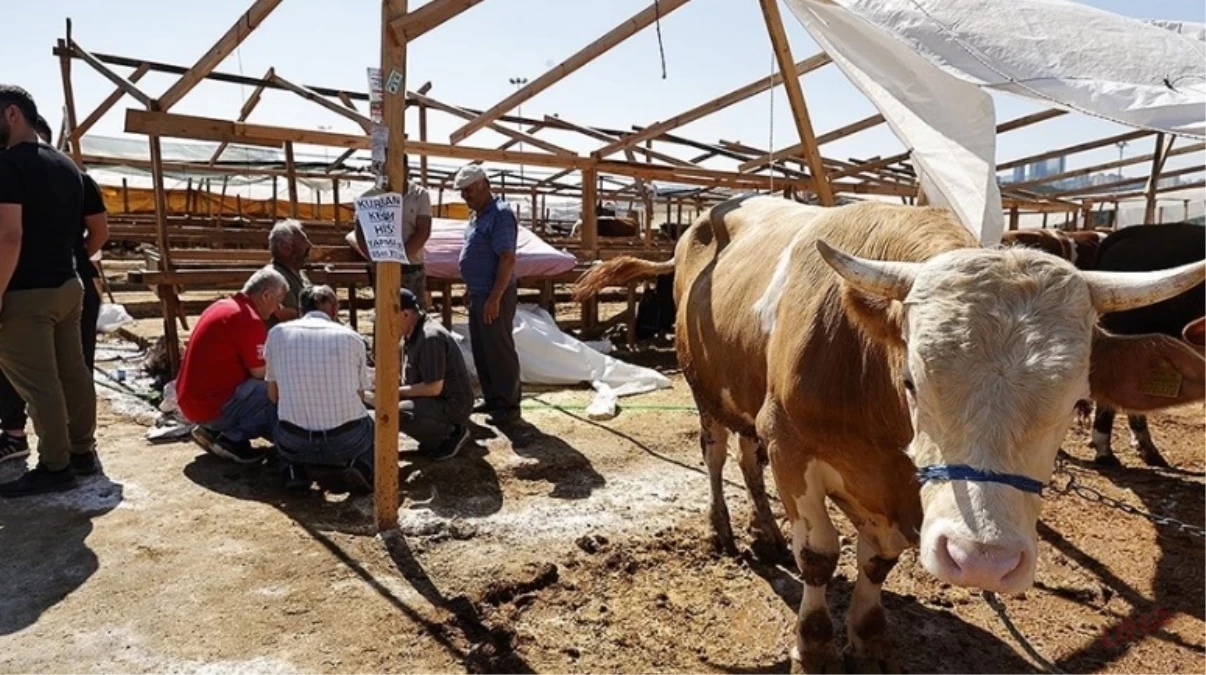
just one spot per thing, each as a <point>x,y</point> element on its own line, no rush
<point>407,300</point>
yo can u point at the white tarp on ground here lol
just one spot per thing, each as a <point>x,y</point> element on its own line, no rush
<point>927,65</point>
<point>549,356</point>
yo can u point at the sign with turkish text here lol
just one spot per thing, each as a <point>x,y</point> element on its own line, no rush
<point>380,219</point>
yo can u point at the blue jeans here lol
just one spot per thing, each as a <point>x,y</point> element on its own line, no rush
<point>326,448</point>
<point>247,415</point>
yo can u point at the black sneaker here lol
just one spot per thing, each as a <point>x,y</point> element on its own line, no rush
<point>39,481</point>
<point>13,447</point>
<point>240,452</point>
<point>296,478</point>
<point>85,464</point>
<point>483,407</point>
<point>451,445</point>
<point>358,478</point>
<point>503,417</point>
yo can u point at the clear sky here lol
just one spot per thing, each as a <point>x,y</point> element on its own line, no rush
<point>711,47</point>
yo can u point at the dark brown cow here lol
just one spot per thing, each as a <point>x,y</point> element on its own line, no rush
<point>1078,248</point>
<point>891,365</point>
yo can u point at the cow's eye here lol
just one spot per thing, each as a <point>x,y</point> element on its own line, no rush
<point>909,386</point>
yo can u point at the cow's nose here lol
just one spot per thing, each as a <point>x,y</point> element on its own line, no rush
<point>976,564</point>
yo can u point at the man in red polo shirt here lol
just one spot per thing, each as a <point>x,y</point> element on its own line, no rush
<point>221,385</point>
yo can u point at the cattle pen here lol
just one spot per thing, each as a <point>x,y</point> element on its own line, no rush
<point>576,542</point>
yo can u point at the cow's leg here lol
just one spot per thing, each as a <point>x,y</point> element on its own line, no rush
<point>1141,436</point>
<point>769,544</point>
<point>714,441</point>
<point>1103,426</point>
<point>870,645</point>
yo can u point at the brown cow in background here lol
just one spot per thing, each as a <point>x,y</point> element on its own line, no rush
<point>1078,248</point>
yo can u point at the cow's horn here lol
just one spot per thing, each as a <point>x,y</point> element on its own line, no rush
<point>875,277</point>
<point>1120,291</point>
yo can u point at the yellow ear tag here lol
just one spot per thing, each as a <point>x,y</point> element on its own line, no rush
<point>1163,380</point>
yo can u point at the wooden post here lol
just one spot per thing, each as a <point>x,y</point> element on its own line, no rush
<point>1044,220</point>
<point>335,201</point>
<point>275,211</point>
<point>69,97</point>
<point>795,95</point>
<point>590,223</point>
<point>1153,180</point>
<point>388,326</point>
<point>423,137</point>
<point>167,295</point>
<point>291,178</point>
<point>1013,214</point>
<point>125,195</point>
<point>535,209</point>
<point>1086,215</point>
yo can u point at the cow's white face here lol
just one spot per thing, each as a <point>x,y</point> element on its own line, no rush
<point>998,351</point>
<point>997,356</point>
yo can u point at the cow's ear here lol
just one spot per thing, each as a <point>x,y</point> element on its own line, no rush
<point>881,319</point>
<point>1195,333</point>
<point>1145,372</point>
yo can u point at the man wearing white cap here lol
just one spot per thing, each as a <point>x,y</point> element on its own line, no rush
<point>487,264</point>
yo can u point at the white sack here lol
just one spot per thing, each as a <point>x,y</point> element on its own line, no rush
<point>112,317</point>
<point>549,356</point>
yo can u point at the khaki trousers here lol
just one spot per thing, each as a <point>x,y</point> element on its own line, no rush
<point>43,357</point>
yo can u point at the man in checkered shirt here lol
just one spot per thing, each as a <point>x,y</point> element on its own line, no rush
<point>317,374</point>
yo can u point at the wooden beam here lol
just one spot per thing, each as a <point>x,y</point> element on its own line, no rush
<point>167,295</point>
<point>226,44</point>
<point>388,277</point>
<point>590,221</point>
<point>612,38</point>
<point>427,17</point>
<point>310,95</point>
<point>121,82</point>
<point>69,101</point>
<point>1161,154</point>
<point>1073,149</point>
<point>719,103</point>
<point>796,150</point>
<point>248,106</point>
<point>506,131</point>
<point>423,137</point>
<point>341,159</point>
<point>291,179</point>
<point>795,94</point>
<point>344,97</point>
<point>1143,193</point>
<point>109,102</point>
<point>608,138</point>
<point>1092,190</point>
<point>1027,120</point>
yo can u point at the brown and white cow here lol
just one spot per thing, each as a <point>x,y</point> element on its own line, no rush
<point>1078,248</point>
<point>923,355</point>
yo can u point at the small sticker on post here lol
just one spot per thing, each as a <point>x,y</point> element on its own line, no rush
<point>1163,380</point>
<point>394,83</point>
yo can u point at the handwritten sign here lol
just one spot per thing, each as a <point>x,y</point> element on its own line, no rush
<point>380,218</point>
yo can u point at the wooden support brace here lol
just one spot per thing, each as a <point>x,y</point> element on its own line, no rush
<point>107,104</point>
<point>427,17</point>
<point>587,54</point>
<point>310,95</point>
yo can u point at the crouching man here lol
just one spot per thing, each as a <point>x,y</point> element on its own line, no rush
<point>436,398</point>
<point>221,384</point>
<point>317,374</point>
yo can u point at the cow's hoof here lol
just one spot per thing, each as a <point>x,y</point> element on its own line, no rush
<point>868,665</point>
<point>724,544</point>
<point>1107,461</point>
<point>770,549</point>
<point>1152,457</point>
<point>827,661</point>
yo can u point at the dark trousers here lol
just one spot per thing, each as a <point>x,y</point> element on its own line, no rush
<point>431,420</point>
<point>12,406</point>
<point>494,353</point>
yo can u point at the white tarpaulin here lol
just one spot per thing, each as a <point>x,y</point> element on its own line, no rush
<point>549,356</point>
<point>927,66</point>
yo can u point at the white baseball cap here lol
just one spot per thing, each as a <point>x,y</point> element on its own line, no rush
<point>468,175</point>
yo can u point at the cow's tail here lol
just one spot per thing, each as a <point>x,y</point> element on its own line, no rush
<point>618,272</point>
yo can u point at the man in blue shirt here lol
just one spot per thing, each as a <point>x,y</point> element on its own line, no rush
<point>487,265</point>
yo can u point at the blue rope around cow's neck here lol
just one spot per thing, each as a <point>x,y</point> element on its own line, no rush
<point>949,472</point>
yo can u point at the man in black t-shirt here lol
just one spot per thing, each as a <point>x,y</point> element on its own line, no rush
<point>41,298</point>
<point>436,398</point>
<point>94,233</point>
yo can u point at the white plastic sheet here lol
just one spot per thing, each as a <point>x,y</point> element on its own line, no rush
<point>112,317</point>
<point>927,65</point>
<point>549,356</point>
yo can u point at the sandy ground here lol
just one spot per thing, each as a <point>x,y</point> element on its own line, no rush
<point>567,546</point>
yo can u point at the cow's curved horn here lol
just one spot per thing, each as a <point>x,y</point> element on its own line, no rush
<point>1120,291</point>
<point>882,278</point>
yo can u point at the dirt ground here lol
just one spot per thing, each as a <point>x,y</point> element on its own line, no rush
<point>566,546</point>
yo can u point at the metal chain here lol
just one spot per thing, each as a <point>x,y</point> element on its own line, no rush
<point>1092,495</point>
